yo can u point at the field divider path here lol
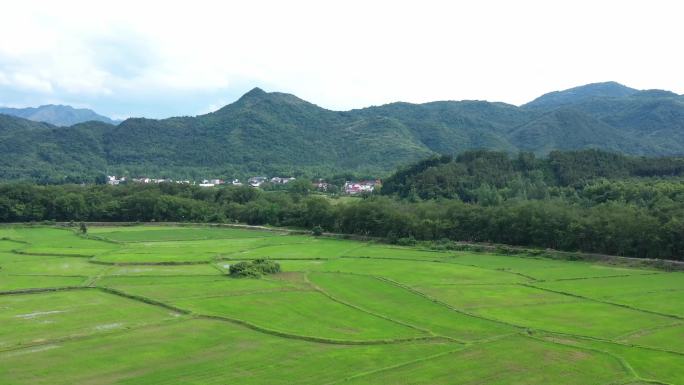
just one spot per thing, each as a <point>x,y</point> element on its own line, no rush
<point>93,279</point>
<point>623,362</point>
<point>163,263</point>
<point>228,257</point>
<point>447,260</point>
<point>465,347</point>
<point>262,329</point>
<point>47,275</point>
<point>521,327</point>
<point>435,300</point>
<point>140,298</point>
<point>626,336</point>
<point>532,329</point>
<point>99,238</point>
<point>114,241</point>
<point>528,277</point>
<point>59,255</point>
<point>378,315</point>
<point>322,340</point>
<point>601,277</point>
<point>396,366</point>
<point>44,290</point>
<point>609,341</point>
<point>680,318</point>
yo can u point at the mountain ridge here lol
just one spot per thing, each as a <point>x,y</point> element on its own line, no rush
<point>57,114</point>
<point>273,132</point>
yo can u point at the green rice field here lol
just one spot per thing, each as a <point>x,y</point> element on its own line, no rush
<point>154,305</point>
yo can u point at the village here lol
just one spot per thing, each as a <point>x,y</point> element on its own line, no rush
<point>360,187</point>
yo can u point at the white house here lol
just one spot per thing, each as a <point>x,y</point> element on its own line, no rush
<point>257,181</point>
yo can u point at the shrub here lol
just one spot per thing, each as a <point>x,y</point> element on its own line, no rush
<point>266,266</point>
<point>317,231</point>
<point>244,270</point>
<point>406,241</point>
<point>254,269</point>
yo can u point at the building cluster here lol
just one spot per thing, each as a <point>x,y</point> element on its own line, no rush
<point>114,180</point>
<point>157,180</point>
<point>361,187</point>
<point>258,181</point>
<point>350,187</point>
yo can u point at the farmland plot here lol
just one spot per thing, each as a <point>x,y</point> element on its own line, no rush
<point>155,305</point>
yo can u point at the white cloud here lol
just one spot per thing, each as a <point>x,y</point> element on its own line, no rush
<point>30,82</point>
<point>340,55</point>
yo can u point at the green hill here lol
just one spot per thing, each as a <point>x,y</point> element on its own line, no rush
<point>580,94</point>
<point>277,133</point>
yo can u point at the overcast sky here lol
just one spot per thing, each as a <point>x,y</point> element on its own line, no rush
<point>159,59</point>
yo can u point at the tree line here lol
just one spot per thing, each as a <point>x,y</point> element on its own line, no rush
<point>631,217</point>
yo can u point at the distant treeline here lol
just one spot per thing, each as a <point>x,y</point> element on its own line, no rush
<point>590,202</point>
<point>475,173</point>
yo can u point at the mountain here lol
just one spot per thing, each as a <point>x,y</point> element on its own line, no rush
<point>58,115</point>
<point>581,94</point>
<point>278,133</point>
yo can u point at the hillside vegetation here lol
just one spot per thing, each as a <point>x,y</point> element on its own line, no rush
<point>276,133</point>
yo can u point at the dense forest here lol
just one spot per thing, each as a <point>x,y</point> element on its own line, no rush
<point>280,134</point>
<point>587,201</point>
<point>487,177</point>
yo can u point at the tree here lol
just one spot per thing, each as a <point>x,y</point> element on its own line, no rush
<point>299,186</point>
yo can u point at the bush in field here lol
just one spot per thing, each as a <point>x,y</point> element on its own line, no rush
<point>254,269</point>
<point>266,266</point>
<point>244,270</point>
<point>83,228</point>
<point>406,241</point>
<point>317,231</point>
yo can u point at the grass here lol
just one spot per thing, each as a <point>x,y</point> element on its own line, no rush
<point>666,338</point>
<point>305,313</point>
<point>153,304</point>
<point>69,266</point>
<point>474,297</point>
<point>46,240</point>
<point>190,251</point>
<point>545,269</point>
<point>173,288</point>
<point>312,249</point>
<point>510,361</point>
<point>39,318</point>
<point>396,252</point>
<point>396,303</point>
<point>408,272</point>
<point>168,233</point>
<point>163,270</point>
<point>23,282</point>
<point>648,365</point>
<point>201,352</point>
<point>577,317</point>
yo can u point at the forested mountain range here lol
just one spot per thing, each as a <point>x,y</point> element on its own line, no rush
<point>280,133</point>
<point>58,115</point>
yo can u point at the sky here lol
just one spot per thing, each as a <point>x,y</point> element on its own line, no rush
<point>159,59</point>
